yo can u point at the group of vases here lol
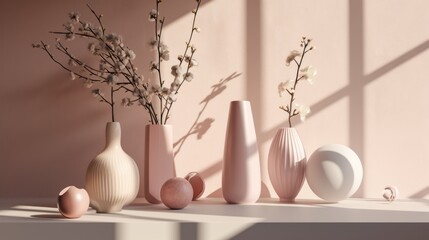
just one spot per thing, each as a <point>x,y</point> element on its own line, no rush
<point>241,173</point>
<point>333,172</point>
<point>112,178</point>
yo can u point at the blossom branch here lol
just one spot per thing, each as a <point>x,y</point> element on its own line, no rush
<point>188,43</point>
<point>301,74</point>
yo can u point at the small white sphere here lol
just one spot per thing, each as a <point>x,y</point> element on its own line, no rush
<point>334,172</point>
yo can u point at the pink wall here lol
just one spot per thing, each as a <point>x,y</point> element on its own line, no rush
<point>369,93</point>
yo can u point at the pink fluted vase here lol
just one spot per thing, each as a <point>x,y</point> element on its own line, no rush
<point>286,164</point>
<point>159,160</point>
<point>241,174</point>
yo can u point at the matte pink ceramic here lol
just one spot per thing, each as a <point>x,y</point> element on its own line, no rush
<point>159,160</point>
<point>286,164</point>
<point>73,202</point>
<point>176,193</point>
<point>241,175</point>
<point>197,184</point>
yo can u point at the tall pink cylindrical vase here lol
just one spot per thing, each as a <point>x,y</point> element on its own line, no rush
<point>241,175</point>
<point>286,164</point>
<point>159,160</point>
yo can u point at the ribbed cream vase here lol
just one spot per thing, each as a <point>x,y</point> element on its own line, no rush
<point>159,160</point>
<point>112,178</point>
<point>241,173</point>
<point>286,164</point>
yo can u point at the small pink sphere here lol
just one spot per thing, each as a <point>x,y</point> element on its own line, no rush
<point>176,193</point>
<point>73,202</point>
<point>197,184</point>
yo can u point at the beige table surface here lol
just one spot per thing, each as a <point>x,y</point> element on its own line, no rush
<point>214,219</point>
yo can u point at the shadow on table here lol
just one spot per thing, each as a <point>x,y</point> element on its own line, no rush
<point>49,216</point>
<point>329,231</point>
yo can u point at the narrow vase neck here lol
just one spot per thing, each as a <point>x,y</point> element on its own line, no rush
<point>113,134</point>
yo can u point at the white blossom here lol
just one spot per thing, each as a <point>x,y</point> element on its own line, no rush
<point>74,17</point>
<point>72,62</point>
<point>88,83</point>
<point>173,87</point>
<point>138,80</point>
<point>86,25</point>
<point>188,76</point>
<point>70,36</point>
<point>91,48</point>
<point>155,89</point>
<point>165,54</point>
<point>153,44</point>
<point>111,79</point>
<point>96,92</point>
<point>153,14</point>
<point>126,102</point>
<point>130,54</point>
<point>119,66</point>
<point>192,62</point>
<point>172,97</point>
<point>165,91</point>
<point>153,66</point>
<point>69,26</point>
<point>142,101</point>
<point>120,53</point>
<point>98,31</point>
<point>72,76</point>
<point>308,73</point>
<point>176,70</point>
<point>114,39</point>
<point>303,110</point>
<point>149,97</point>
<point>288,85</point>
<point>292,55</point>
<point>102,65</point>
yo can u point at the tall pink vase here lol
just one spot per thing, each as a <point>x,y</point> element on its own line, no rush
<point>286,164</point>
<point>241,174</point>
<point>159,160</point>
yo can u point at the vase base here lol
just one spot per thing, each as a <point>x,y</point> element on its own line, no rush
<point>287,200</point>
<point>108,210</point>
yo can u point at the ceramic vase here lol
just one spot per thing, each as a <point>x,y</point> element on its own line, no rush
<point>159,160</point>
<point>286,164</point>
<point>112,178</point>
<point>334,172</point>
<point>241,174</point>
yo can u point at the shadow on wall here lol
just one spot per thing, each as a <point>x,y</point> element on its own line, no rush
<point>43,141</point>
<point>420,194</point>
<point>201,127</point>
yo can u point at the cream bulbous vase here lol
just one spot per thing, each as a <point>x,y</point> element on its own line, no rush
<point>112,177</point>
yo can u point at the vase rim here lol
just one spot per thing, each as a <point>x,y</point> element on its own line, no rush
<point>150,124</point>
<point>239,101</point>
